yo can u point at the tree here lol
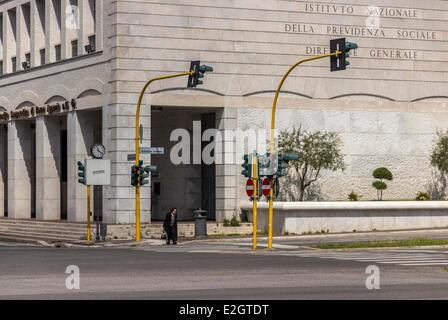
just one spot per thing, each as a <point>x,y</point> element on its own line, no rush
<point>381,174</point>
<point>439,156</point>
<point>317,151</point>
<point>439,160</point>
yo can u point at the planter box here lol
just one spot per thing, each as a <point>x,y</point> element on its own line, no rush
<point>302,217</point>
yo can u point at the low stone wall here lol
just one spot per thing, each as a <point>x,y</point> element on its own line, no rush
<point>154,230</point>
<point>304,217</point>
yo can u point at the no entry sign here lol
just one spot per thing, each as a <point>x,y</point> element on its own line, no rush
<point>250,188</point>
<point>266,186</point>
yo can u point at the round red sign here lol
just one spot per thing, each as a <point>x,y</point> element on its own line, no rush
<point>250,188</point>
<point>266,186</point>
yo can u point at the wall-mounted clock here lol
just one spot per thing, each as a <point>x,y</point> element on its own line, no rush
<point>98,151</point>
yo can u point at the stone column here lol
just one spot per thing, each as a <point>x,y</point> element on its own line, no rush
<point>33,34</point>
<point>19,37</point>
<point>3,168</point>
<point>38,37</point>
<point>48,192</point>
<point>226,173</point>
<point>6,41</point>
<point>64,32</point>
<point>99,25</point>
<point>19,170</point>
<point>81,31</point>
<point>48,35</point>
<point>79,138</point>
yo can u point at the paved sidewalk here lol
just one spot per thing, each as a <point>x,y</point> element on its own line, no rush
<point>281,242</point>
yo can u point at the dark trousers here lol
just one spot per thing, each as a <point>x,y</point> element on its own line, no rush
<point>171,235</point>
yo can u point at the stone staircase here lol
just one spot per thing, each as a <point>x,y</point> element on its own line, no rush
<point>36,231</point>
<point>32,231</point>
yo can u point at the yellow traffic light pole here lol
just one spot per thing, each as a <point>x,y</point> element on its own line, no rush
<point>137,145</point>
<point>272,141</point>
<point>254,205</point>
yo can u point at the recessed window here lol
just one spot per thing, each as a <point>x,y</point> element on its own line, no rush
<point>27,63</point>
<point>90,48</point>
<point>74,48</point>
<point>14,64</point>
<point>57,50</point>
<point>42,56</point>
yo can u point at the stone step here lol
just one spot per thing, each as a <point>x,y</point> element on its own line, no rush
<point>29,238</point>
<point>41,223</point>
<point>43,232</point>
<point>44,225</point>
<point>52,231</point>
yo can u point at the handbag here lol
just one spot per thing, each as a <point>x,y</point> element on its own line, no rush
<point>164,236</point>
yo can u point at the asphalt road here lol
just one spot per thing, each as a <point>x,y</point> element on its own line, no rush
<point>309,240</point>
<point>193,271</point>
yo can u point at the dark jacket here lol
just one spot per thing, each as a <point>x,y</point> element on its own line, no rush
<point>170,230</point>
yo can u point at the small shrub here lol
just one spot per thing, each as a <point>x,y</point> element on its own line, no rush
<point>234,222</point>
<point>381,174</point>
<point>422,196</point>
<point>353,196</point>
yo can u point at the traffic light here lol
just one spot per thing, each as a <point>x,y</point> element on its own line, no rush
<point>283,163</point>
<point>282,170</point>
<point>264,165</point>
<point>199,73</point>
<point>135,174</point>
<point>144,174</point>
<point>339,62</point>
<point>247,167</point>
<point>81,172</point>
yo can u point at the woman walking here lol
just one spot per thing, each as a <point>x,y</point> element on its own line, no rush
<point>170,226</point>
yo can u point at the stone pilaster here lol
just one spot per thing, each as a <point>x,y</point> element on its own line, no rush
<point>48,193</point>
<point>19,170</point>
<point>226,173</point>
<point>79,138</point>
<point>4,56</point>
<point>64,32</point>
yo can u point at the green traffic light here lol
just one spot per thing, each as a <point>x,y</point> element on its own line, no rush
<point>289,157</point>
<point>350,46</point>
<point>143,178</point>
<point>81,173</point>
<point>246,167</point>
<point>204,68</point>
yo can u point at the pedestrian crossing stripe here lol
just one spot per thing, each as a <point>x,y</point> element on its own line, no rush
<point>402,258</point>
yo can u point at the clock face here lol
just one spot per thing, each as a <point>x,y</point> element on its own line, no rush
<point>98,151</point>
